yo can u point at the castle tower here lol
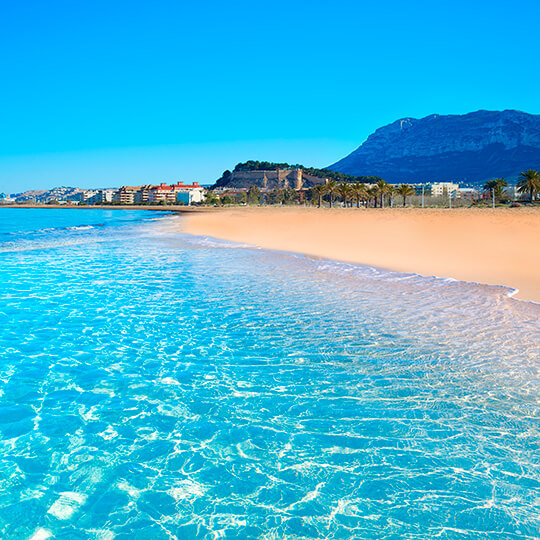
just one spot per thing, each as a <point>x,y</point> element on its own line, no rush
<point>299,180</point>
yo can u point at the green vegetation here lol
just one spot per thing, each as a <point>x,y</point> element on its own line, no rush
<point>497,187</point>
<point>529,182</point>
<point>319,191</point>
<point>253,195</point>
<point>405,190</point>
<point>332,188</point>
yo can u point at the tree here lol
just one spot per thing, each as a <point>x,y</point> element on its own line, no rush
<point>529,182</point>
<point>384,188</point>
<point>344,191</point>
<point>373,193</point>
<point>390,193</point>
<point>276,196</point>
<point>359,191</point>
<point>211,199</point>
<point>253,195</point>
<point>405,190</point>
<point>320,191</point>
<point>289,196</point>
<point>332,189</point>
<point>497,185</point>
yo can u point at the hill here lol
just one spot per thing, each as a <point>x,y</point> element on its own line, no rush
<point>269,175</point>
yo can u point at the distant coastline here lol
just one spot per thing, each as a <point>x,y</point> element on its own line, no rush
<point>168,208</point>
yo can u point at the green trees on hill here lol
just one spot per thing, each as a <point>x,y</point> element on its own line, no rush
<point>321,173</point>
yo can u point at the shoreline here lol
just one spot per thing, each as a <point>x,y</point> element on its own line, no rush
<point>482,246</point>
<point>153,208</point>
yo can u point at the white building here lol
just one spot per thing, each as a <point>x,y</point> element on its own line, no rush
<point>88,196</point>
<point>5,199</point>
<point>443,188</point>
<point>105,195</point>
<point>189,193</point>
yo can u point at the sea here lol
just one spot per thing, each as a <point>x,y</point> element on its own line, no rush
<point>158,385</point>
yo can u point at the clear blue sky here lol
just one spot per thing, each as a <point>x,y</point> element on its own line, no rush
<point>105,93</point>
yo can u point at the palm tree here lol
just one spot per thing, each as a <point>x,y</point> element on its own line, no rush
<point>320,191</point>
<point>390,193</point>
<point>497,185</point>
<point>384,188</point>
<point>529,182</point>
<point>405,190</point>
<point>332,188</point>
<point>359,191</point>
<point>344,191</point>
<point>373,193</point>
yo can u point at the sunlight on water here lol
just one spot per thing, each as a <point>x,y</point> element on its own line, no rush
<point>158,385</point>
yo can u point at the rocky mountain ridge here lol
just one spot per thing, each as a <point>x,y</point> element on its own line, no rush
<point>472,147</point>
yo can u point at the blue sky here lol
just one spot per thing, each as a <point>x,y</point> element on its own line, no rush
<point>110,93</point>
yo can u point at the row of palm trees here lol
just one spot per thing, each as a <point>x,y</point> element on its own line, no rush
<point>528,183</point>
<point>361,194</point>
<point>382,191</point>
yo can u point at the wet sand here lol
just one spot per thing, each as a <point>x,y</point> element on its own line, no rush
<point>497,247</point>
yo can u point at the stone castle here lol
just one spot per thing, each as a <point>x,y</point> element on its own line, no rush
<point>274,179</point>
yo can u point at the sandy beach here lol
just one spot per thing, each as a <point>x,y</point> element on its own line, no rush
<point>497,247</point>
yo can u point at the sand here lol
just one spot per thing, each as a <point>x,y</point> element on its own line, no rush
<point>497,247</point>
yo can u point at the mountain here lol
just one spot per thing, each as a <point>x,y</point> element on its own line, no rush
<point>472,147</point>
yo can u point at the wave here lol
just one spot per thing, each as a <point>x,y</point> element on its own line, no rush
<point>362,271</point>
<point>53,245</point>
<point>55,229</point>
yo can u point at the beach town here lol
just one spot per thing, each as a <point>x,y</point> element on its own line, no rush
<point>294,186</point>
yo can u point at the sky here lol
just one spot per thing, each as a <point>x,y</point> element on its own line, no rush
<point>108,93</point>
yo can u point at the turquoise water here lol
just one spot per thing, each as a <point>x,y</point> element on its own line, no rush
<point>160,385</point>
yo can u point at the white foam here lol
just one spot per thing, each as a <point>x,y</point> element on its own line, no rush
<point>170,381</point>
<point>67,504</point>
<point>41,534</point>
<point>109,433</point>
<point>102,534</point>
<point>187,489</point>
<point>134,493</point>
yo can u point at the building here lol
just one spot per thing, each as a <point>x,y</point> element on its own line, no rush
<point>443,188</point>
<point>126,195</point>
<point>468,193</point>
<point>161,194</point>
<point>5,199</point>
<point>105,196</point>
<point>141,195</point>
<point>86,196</point>
<point>189,193</point>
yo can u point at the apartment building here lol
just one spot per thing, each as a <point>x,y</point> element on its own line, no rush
<point>443,188</point>
<point>189,193</point>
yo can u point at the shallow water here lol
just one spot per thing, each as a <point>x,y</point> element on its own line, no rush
<point>160,385</point>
